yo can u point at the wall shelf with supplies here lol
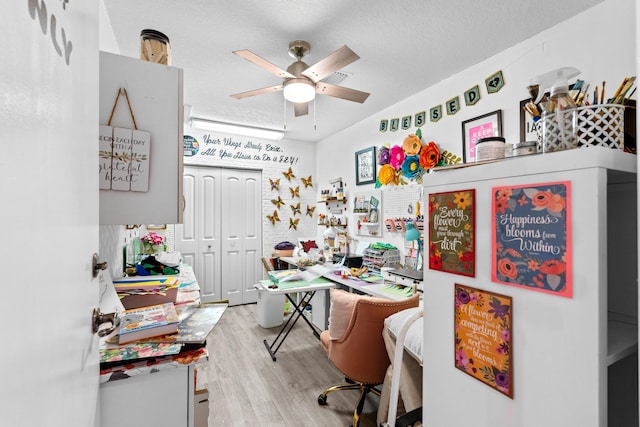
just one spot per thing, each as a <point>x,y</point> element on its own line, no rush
<point>367,207</point>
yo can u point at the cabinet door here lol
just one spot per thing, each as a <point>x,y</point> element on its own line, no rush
<point>163,398</point>
<point>155,95</point>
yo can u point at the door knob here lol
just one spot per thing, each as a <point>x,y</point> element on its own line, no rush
<point>97,266</point>
<point>98,319</point>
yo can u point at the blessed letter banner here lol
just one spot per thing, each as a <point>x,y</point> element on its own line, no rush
<point>532,237</point>
<point>452,232</point>
<point>483,342</point>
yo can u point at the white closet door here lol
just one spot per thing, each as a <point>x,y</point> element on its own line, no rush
<point>209,208</point>
<point>241,234</point>
<point>198,238</point>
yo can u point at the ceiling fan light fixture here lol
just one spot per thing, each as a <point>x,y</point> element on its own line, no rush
<point>299,90</point>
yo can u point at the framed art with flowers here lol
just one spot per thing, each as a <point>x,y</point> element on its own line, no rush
<point>531,243</point>
<point>484,126</point>
<point>483,340</point>
<point>452,232</point>
<point>366,166</point>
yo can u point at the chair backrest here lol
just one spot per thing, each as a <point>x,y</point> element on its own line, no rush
<point>360,354</point>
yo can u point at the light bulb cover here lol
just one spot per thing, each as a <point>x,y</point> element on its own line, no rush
<point>299,90</point>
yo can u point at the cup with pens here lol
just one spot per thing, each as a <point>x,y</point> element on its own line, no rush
<point>597,121</point>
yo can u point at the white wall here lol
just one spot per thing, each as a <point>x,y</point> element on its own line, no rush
<point>272,158</point>
<point>606,53</point>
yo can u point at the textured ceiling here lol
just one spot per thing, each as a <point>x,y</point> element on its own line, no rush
<point>404,47</point>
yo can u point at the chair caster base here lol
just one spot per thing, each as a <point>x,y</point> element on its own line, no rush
<point>322,400</point>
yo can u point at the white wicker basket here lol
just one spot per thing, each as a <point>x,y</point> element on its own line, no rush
<point>591,126</point>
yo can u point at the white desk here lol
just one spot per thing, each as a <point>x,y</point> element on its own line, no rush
<point>308,290</point>
<point>379,289</point>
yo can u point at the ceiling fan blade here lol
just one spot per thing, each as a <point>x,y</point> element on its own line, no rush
<point>341,92</point>
<point>263,63</point>
<point>301,108</point>
<point>255,92</point>
<point>326,66</point>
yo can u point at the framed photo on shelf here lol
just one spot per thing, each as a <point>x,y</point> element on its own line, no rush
<point>484,126</point>
<point>366,166</point>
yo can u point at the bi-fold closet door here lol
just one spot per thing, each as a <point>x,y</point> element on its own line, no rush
<point>221,237</point>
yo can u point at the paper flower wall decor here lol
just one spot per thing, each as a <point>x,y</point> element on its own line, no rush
<point>289,174</point>
<point>293,223</point>
<point>273,218</point>
<point>307,181</point>
<point>275,184</point>
<point>295,192</point>
<point>295,209</point>
<point>278,202</point>
<point>410,161</point>
<point>310,210</point>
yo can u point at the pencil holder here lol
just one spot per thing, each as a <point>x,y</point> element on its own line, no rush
<point>593,126</point>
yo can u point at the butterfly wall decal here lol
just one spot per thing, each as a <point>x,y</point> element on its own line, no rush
<point>293,223</point>
<point>308,182</point>
<point>295,192</point>
<point>295,209</point>
<point>278,202</point>
<point>273,218</point>
<point>310,210</point>
<point>275,184</point>
<point>289,174</point>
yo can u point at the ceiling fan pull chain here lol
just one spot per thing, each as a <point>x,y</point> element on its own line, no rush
<point>314,114</point>
<point>284,101</point>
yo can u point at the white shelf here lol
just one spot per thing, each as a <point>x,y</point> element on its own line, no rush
<point>622,340</point>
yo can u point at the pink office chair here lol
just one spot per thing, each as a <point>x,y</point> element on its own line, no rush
<point>354,342</point>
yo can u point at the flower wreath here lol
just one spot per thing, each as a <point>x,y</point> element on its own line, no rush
<point>411,161</point>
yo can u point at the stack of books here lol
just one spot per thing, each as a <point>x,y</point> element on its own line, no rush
<point>146,322</point>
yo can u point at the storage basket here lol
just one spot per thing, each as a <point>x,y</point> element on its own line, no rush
<point>595,126</point>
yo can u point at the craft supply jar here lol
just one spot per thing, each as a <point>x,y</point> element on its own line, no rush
<point>490,148</point>
<point>155,47</point>
<point>525,147</point>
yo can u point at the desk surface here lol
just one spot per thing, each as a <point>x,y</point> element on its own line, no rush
<point>293,286</point>
<point>378,289</point>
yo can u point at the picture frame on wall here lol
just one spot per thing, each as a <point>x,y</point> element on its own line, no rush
<point>366,166</point>
<point>484,126</point>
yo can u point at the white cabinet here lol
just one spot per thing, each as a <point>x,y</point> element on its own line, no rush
<point>164,398</point>
<point>565,350</point>
<point>155,94</point>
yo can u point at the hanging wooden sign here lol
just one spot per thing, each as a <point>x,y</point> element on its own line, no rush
<point>124,154</point>
<point>105,155</point>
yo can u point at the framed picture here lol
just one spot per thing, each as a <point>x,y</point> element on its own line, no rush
<point>452,232</point>
<point>531,239</point>
<point>483,339</point>
<point>366,166</point>
<point>489,124</point>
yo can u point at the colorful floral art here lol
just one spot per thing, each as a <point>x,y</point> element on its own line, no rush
<point>483,340</point>
<point>532,237</point>
<point>410,161</point>
<point>452,232</point>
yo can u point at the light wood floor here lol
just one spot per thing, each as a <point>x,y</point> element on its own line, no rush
<point>247,388</point>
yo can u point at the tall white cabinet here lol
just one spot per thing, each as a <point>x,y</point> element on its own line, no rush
<point>570,355</point>
<point>155,95</point>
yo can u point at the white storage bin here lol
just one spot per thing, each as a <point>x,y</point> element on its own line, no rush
<point>270,311</point>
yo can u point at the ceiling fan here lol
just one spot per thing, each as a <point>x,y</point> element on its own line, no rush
<point>302,82</point>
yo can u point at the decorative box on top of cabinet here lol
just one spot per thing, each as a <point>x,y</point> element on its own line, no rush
<point>565,350</point>
<point>155,92</point>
